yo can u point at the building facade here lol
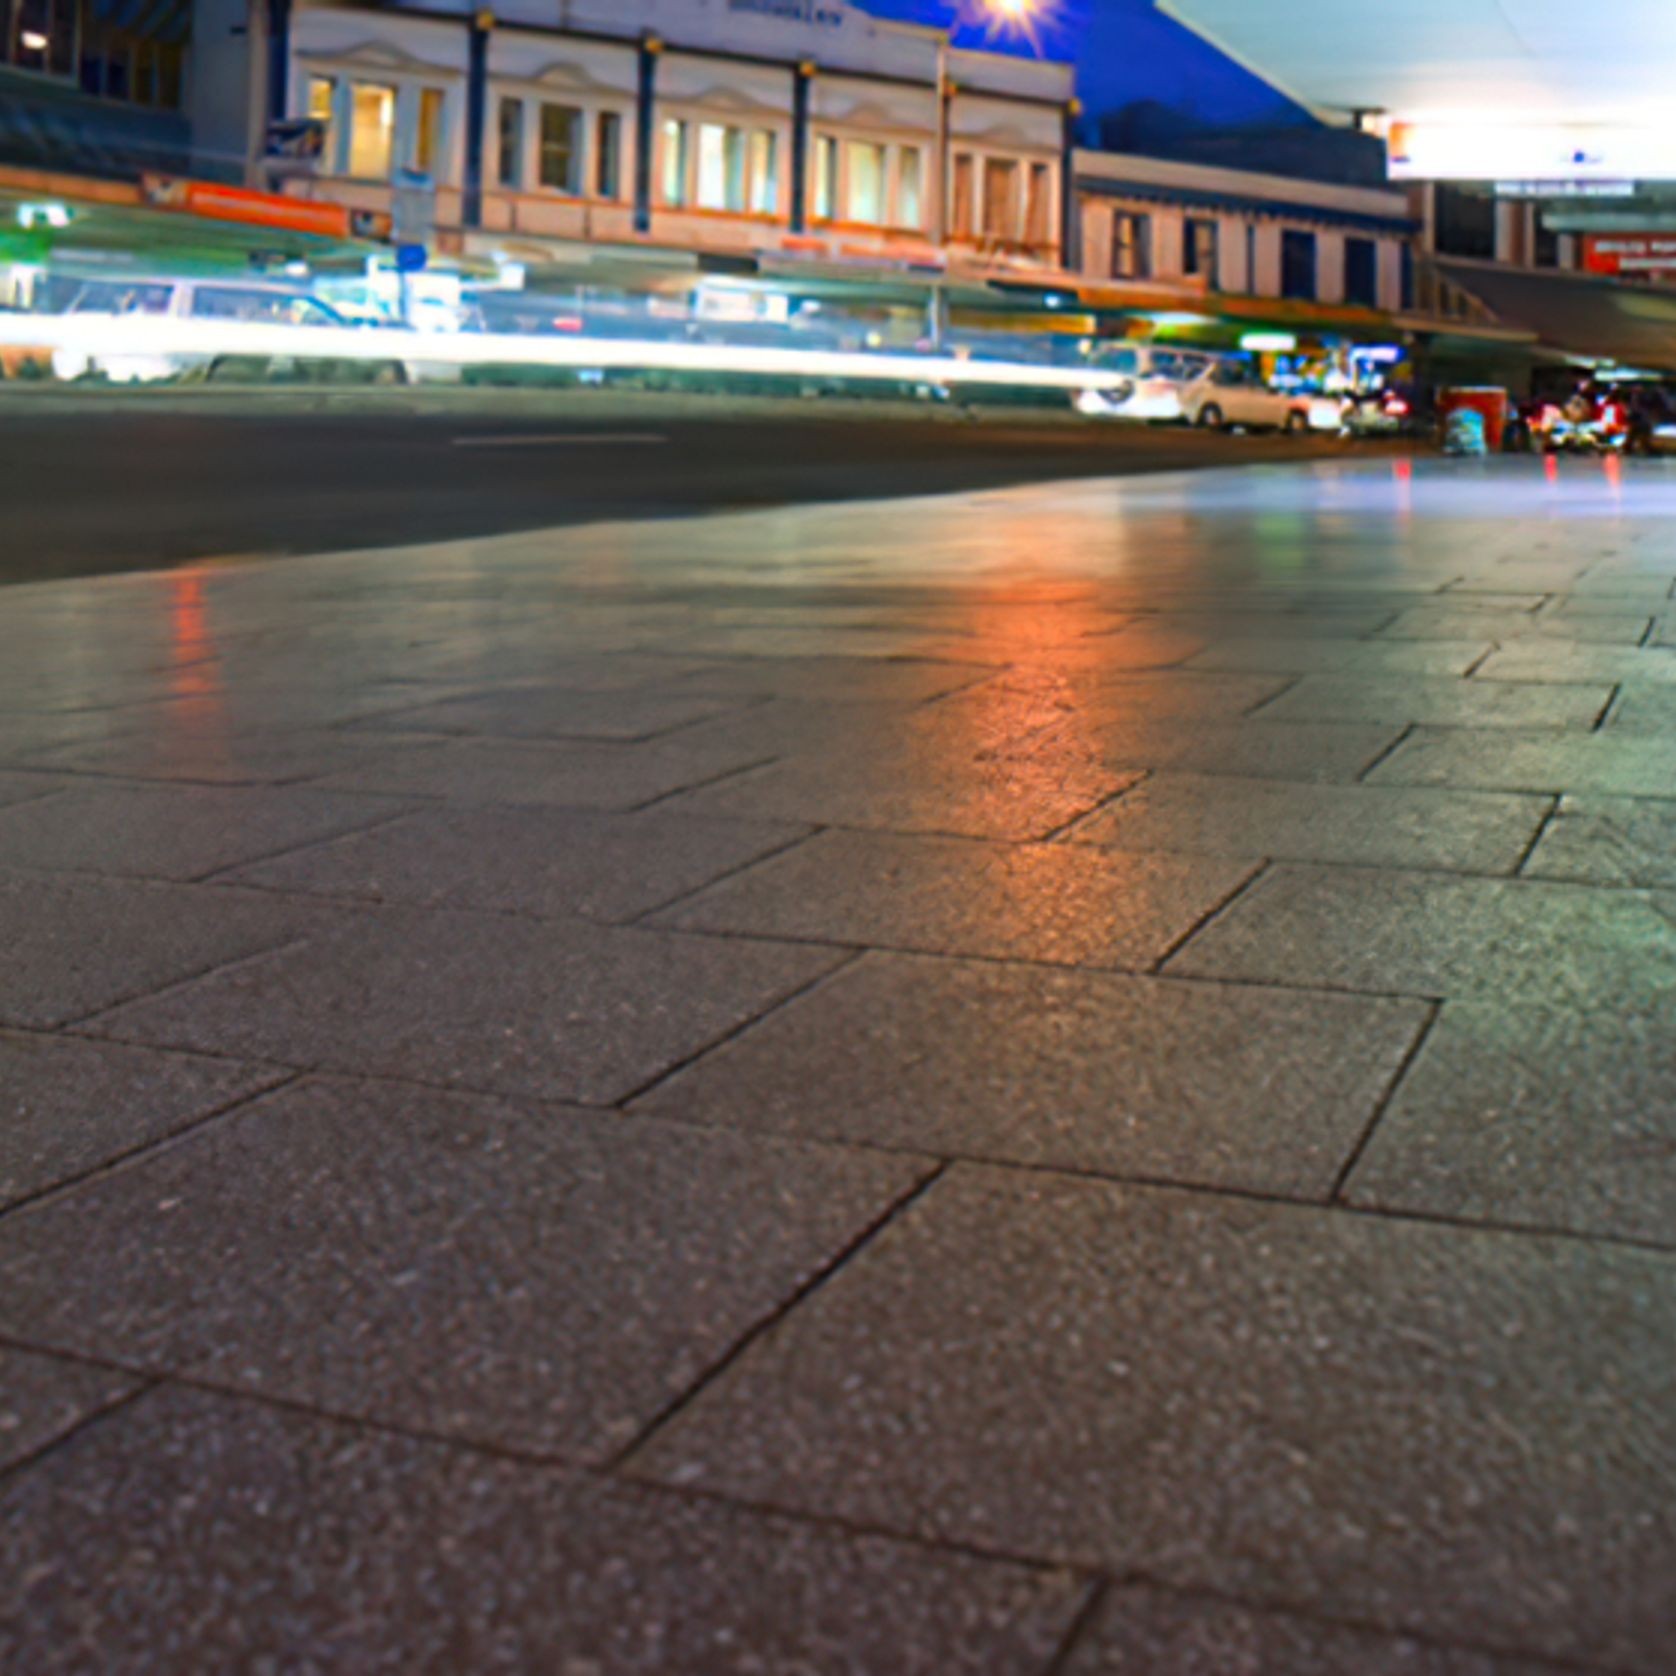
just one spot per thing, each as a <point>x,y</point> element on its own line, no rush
<point>1219,232</point>
<point>717,125</point>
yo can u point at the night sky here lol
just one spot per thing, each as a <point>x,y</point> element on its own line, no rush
<point>1126,52</point>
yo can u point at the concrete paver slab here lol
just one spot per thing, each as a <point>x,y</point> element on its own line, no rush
<point>1438,701</point>
<point>1439,1431</point>
<point>1490,759</point>
<point>527,1278</point>
<point>146,1543</point>
<point>1188,814</point>
<point>1524,942</point>
<point>1071,905</point>
<point>1210,1083</point>
<point>71,945</point>
<point>1609,841</point>
<point>1522,660</point>
<point>1527,1115</point>
<point>68,1106</point>
<point>176,832</point>
<point>1364,657</point>
<point>529,861</point>
<point>562,1011</point>
<point>558,712</point>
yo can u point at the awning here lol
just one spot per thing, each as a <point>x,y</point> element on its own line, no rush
<point>1590,319</point>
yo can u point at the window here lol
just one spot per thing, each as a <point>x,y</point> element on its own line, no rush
<point>910,188</point>
<point>1361,273</point>
<point>866,164</point>
<point>1131,246</point>
<point>509,143</point>
<point>322,108</point>
<point>1000,198</point>
<point>1408,276</point>
<point>372,123</point>
<point>116,296</point>
<point>1546,250</point>
<point>608,155</point>
<point>826,178</point>
<point>765,173</point>
<point>961,217</point>
<point>273,308</point>
<point>1297,265</point>
<point>427,136</point>
<point>1251,286</point>
<point>1038,213</point>
<point>560,163</point>
<point>676,145</point>
<point>1199,249</point>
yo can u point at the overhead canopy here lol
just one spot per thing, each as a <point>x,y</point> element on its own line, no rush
<point>1591,319</point>
<point>1513,60</point>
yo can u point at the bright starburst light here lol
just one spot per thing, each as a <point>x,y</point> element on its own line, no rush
<point>1025,18</point>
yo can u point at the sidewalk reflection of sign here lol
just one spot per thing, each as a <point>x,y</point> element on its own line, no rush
<point>1631,255</point>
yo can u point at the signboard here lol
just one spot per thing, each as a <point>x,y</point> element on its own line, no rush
<point>261,209</point>
<point>1530,152</point>
<point>818,12</point>
<point>1631,255</point>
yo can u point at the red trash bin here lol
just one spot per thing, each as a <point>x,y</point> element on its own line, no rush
<point>1489,403</point>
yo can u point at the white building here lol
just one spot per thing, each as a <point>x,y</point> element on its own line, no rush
<point>1218,232</point>
<point>716,125</point>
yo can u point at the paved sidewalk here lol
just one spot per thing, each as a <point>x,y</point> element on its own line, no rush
<point>1066,1082</point>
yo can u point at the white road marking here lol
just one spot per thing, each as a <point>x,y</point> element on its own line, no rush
<point>562,439</point>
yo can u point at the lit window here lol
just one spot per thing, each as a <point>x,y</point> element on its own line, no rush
<point>1000,198</point>
<point>427,138</point>
<point>1199,249</point>
<point>866,163</point>
<point>561,148</point>
<point>960,220</point>
<point>608,155</point>
<point>1132,246</point>
<point>765,173</point>
<point>322,108</point>
<point>910,188</point>
<point>1038,214</point>
<point>509,132</point>
<point>826,177</point>
<point>372,122</point>
<point>675,147</point>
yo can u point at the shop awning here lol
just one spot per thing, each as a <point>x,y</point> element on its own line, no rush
<point>1590,319</point>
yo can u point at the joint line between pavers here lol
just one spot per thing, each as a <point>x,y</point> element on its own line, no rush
<point>1254,712</point>
<point>321,841</point>
<point>146,1384</point>
<point>1612,701</point>
<point>279,1079</point>
<point>1384,756</point>
<point>754,1334</point>
<point>1383,1103</point>
<point>1207,919</point>
<point>698,785</point>
<point>1059,833</point>
<point>687,895</point>
<point>85,1020</point>
<point>1536,837</point>
<point>1076,1631</point>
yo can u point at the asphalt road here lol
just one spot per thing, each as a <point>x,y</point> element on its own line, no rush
<point>127,481</point>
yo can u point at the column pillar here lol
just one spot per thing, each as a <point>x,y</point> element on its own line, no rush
<point>1070,219</point>
<point>802,80</point>
<point>477,115</point>
<point>645,130</point>
<point>279,62</point>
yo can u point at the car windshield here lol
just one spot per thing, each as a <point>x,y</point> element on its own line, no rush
<point>283,308</point>
<point>121,296</point>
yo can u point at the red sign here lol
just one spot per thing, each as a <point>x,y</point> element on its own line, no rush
<point>1631,255</point>
<point>261,209</point>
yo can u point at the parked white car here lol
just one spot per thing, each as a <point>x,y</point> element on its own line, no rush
<point>1230,393</point>
<point>1154,379</point>
<point>248,301</point>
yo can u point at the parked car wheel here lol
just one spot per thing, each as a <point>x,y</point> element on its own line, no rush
<point>1296,423</point>
<point>1210,416</point>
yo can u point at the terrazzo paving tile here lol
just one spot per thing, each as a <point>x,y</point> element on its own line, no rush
<point>193,1532</point>
<point>1439,701</point>
<point>1609,841</point>
<point>41,1399</point>
<point>1066,904</point>
<point>530,1278</point>
<point>1436,1431</point>
<point>1207,1083</point>
<point>1625,765</point>
<point>1526,1115</point>
<point>530,861</point>
<point>175,832</point>
<point>1471,832</point>
<point>567,1011</point>
<point>1447,937</point>
<point>73,944</point>
<point>68,1106</point>
<point>1139,1629</point>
